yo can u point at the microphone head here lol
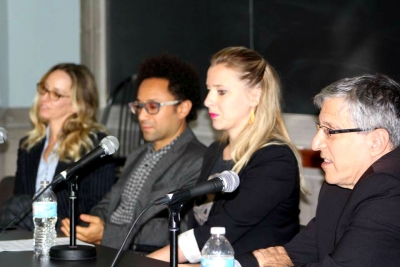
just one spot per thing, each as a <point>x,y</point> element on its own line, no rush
<point>230,180</point>
<point>110,144</point>
<point>3,135</point>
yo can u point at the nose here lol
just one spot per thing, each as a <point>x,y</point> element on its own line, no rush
<point>318,141</point>
<point>209,100</point>
<point>45,96</point>
<point>142,114</point>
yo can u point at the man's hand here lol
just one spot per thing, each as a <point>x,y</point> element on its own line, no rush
<point>273,257</point>
<point>91,234</point>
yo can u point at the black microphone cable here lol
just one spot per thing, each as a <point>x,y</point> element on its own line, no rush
<point>117,256</point>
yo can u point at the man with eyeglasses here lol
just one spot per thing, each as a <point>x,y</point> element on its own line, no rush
<point>167,100</point>
<point>358,215</point>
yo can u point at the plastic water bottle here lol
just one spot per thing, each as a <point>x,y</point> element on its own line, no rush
<point>217,252</point>
<point>44,211</point>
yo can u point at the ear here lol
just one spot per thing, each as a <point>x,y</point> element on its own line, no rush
<point>379,142</point>
<point>184,109</point>
<point>255,96</point>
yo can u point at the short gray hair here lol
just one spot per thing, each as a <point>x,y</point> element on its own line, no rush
<point>373,101</point>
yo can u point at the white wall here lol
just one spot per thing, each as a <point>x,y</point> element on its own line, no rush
<point>3,55</point>
<point>35,35</point>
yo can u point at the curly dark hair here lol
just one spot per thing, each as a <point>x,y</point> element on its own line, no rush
<point>184,81</point>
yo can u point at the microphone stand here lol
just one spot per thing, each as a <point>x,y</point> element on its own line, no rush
<point>72,251</point>
<point>174,227</point>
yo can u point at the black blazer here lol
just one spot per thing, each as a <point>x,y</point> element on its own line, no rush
<point>93,182</point>
<point>264,210</point>
<point>353,228</point>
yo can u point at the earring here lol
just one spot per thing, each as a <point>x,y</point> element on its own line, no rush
<point>252,117</point>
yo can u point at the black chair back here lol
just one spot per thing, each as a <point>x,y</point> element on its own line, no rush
<point>120,121</point>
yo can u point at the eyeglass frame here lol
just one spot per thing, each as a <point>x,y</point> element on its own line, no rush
<point>330,131</point>
<point>159,105</point>
<point>53,95</point>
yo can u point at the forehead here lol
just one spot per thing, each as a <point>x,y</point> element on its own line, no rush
<point>59,79</point>
<point>335,113</point>
<point>154,89</point>
<point>220,74</point>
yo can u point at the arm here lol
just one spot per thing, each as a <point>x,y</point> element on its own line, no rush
<point>187,175</point>
<point>27,167</point>
<point>302,248</point>
<point>269,179</point>
<point>372,220</point>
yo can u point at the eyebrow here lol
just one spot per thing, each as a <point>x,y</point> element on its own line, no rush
<point>327,124</point>
<point>216,85</point>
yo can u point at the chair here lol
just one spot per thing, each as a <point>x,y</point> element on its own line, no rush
<point>120,121</point>
<point>6,188</point>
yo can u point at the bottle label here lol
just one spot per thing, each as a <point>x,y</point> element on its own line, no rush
<point>44,209</point>
<point>217,262</point>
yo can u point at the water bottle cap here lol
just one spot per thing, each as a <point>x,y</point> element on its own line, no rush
<point>217,230</point>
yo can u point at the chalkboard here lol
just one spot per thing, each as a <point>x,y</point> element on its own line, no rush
<point>310,43</point>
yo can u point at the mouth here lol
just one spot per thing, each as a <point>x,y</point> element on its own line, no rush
<point>43,106</point>
<point>213,115</point>
<point>145,127</point>
<point>325,162</point>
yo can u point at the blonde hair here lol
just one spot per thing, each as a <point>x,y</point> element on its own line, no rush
<point>255,71</point>
<point>74,138</point>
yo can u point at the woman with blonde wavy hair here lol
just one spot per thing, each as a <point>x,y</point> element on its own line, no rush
<point>63,115</point>
<point>244,102</point>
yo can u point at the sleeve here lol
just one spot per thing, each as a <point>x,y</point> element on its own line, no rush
<point>302,248</point>
<point>372,236</point>
<point>187,172</point>
<point>24,166</point>
<point>268,179</point>
<point>113,234</point>
<point>188,176</point>
<point>18,185</point>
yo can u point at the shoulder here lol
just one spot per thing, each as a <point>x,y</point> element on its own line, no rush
<point>275,152</point>
<point>389,164</point>
<point>38,145</point>
<point>215,146</point>
<point>96,136</point>
<point>190,144</point>
<point>383,175</point>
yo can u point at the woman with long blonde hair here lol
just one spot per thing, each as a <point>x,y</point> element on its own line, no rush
<point>244,102</point>
<point>65,128</point>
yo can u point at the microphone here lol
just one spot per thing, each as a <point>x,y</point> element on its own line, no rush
<point>227,181</point>
<point>3,135</point>
<point>108,146</point>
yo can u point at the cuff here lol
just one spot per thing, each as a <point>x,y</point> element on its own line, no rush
<point>188,244</point>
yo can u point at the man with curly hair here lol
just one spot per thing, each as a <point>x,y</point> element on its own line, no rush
<point>168,99</point>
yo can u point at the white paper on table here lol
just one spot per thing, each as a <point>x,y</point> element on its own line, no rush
<point>27,244</point>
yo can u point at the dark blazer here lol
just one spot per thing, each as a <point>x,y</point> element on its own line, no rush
<point>353,228</point>
<point>178,168</point>
<point>264,210</point>
<point>93,182</point>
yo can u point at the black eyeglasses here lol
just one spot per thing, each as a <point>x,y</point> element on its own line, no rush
<point>151,107</point>
<point>52,94</point>
<point>328,131</point>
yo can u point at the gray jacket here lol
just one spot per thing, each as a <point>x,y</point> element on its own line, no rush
<point>179,168</point>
